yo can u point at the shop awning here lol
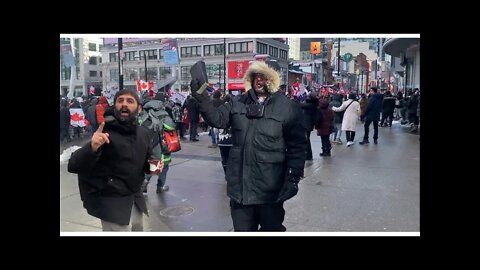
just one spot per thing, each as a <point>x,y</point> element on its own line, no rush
<point>395,46</point>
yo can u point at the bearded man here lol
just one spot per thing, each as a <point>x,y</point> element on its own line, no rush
<point>112,164</point>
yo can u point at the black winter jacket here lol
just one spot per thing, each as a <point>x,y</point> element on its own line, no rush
<point>264,149</point>
<point>374,107</point>
<point>110,179</point>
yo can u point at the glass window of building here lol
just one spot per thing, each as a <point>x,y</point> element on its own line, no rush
<point>92,47</point>
<point>262,48</point>
<point>210,50</point>
<point>92,60</point>
<point>165,72</point>
<point>93,73</point>
<point>160,54</point>
<point>219,49</point>
<point>273,51</point>
<point>101,74</point>
<point>214,72</point>
<point>131,74</point>
<point>151,74</point>
<point>65,73</point>
<point>113,57</point>
<point>191,51</point>
<point>240,47</point>
<point>131,56</point>
<point>100,60</point>
<point>151,54</point>
<point>114,74</point>
<point>185,74</point>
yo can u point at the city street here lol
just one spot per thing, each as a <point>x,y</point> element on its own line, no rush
<point>373,188</point>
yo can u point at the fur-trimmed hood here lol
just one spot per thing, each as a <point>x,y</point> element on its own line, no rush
<point>273,79</point>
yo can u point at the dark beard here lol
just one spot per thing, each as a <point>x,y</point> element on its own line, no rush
<point>129,120</point>
<point>264,90</point>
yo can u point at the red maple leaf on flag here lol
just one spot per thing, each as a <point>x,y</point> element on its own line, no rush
<point>77,117</point>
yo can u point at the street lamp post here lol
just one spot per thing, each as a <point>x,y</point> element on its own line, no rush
<point>120,64</point>
<point>338,58</point>
<point>145,58</point>
<point>224,65</point>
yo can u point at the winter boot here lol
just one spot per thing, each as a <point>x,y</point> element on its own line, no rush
<point>325,153</point>
<point>364,142</point>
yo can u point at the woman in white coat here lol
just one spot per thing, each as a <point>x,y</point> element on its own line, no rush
<point>350,117</point>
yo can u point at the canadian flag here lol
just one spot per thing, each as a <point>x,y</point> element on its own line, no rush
<point>143,86</point>
<point>77,117</point>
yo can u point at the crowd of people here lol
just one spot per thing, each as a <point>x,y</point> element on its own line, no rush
<point>263,136</point>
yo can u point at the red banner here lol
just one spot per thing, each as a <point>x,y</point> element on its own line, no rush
<point>233,86</point>
<point>236,69</point>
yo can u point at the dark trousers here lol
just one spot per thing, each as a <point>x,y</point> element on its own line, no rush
<point>387,116</point>
<point>181,130</point>
<point>224,152</point>
<point>350,135</point>
<point>64,135</point>
<point>308,155</point>
<point>193,130</point>
<point>247,218</point>
<point>413,118</point>
<point>367,127</point>
<point>326,145</point>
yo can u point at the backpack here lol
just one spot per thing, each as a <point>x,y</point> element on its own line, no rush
<point>177,114</point>
<point>162,127</point>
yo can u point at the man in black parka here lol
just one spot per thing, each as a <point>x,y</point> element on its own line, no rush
<point>267,158</point>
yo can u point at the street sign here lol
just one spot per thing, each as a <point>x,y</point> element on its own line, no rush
<point>214,67</point>
<point>347,57</point>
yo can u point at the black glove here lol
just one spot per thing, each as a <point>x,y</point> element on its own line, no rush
<point>289,189</point>
<point>194,85</point>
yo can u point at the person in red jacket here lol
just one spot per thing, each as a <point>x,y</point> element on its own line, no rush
<point>326,127</point>
<point>102,105</point>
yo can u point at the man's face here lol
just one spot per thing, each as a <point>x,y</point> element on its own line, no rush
<point>126,109</point>
<point>259,83</point>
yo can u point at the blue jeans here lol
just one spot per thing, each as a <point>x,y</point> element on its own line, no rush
<point>213,134</point>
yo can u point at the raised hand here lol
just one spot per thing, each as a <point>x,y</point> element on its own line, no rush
<point>99,138</point>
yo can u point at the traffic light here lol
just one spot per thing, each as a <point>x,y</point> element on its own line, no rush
<point>315,47</point>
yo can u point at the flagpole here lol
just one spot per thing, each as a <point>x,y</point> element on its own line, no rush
<point>73,71</point>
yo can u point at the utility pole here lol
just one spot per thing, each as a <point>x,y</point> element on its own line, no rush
<point>145,56</point>
<point>120,64</point>
<point>338,58</point>
<point>224,65</point>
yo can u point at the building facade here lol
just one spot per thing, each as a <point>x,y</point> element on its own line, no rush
<point>87,64</point>
<point>406,51</point>
<point>225,67</point>
<point>294,48</point>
